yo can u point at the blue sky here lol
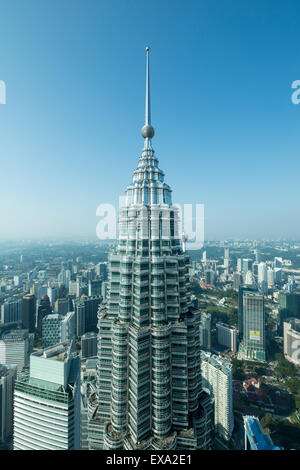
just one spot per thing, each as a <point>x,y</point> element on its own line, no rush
<point>227,133</point>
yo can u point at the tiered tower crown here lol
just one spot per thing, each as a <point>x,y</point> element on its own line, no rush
<point>148,373</point>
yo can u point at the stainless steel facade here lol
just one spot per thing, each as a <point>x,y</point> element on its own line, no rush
<point>149,388</point>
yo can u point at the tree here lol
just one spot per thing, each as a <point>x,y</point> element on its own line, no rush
<point>284,368</point>
<point>237,369</point>
<point>293,385</point>
<point>269,423</point>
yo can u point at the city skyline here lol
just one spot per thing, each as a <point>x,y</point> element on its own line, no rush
<point>225,124</point>
<point>149,302</point>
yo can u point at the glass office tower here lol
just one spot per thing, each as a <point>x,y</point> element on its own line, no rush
<point>253,345</point>
<point>149,379</point>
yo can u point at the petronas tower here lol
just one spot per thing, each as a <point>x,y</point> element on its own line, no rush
<point>149,388</point>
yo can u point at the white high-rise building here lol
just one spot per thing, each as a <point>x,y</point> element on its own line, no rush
<point>52,293</point>
<point>226,257</point>
<point>14,348</point>
<point>270,277</point>
<point>246,265</point>
<point>263,278</point>
<point>47,402</point>
<point>249,279</point>
<point>64,277</point>
<point>104,289</point>
<point>227,336</point>
<point>78,286</point>
<point>217,378</point>
<point>73,288</point>
<point>239,265</point>
<point>262,273</point>
<point>68,277</point>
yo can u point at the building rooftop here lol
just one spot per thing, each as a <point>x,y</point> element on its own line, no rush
<point>6,370</point>
<point>14,334</point>
<point>258,439</point>
<point>226,325</point>
<point>59,352</point>
<point>216,361</point>
<point>89,334</point>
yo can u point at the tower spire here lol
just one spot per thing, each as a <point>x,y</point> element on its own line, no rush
<point>147,106</point>
<point>147,130</point>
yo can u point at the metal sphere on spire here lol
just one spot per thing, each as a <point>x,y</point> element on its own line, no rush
<point>147,131</point>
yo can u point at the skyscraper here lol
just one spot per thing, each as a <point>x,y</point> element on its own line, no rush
<point>289,306</point>
<point>62,306</point>
<point>94,288</point>
<point>209,276</point>
<point>253,344</point>
<point>205,331</point>
<point>51,329</point>
<point>52,293</point>
<point>47,403</point>
<point>263,277</point>
<point>149,382</point>
<point>271,278</point>
<point>28,312</point>
<point>44,309</point>
<point>91,309</point>
<point>7,381</point>
<point>58,328</point>
<point>226,257</point>
<point>89,345</point>
<point>246,265</point>
<point>239,265</point>
<point>80,317</point>
<point>242,289</point>
<point>11,310</point>
<point>237,280</point>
